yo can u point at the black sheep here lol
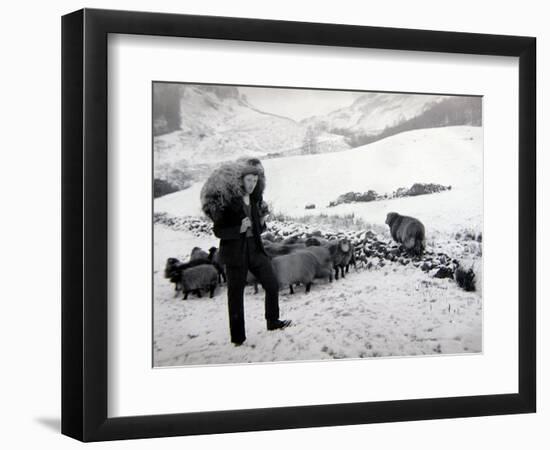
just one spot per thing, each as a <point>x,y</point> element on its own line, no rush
<point>214,258</point>
<point>408,231</point>
<point>194,279</point>
<point>174,267</point>
<point>340,251</point>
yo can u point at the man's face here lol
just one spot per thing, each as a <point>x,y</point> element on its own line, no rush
<point>249,182</point>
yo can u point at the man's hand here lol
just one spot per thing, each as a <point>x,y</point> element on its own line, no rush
<point>245,224</point>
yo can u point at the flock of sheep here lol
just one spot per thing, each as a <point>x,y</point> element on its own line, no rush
<point>296,260</point>
<point>203,271</point>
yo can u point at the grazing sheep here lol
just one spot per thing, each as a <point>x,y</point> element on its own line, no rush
<point>276,249</point>
<point>174,267</point>
<point>349,258</point>
<point>408,231</point>
<point>324,267</point>
<point>297,267</point>
<point>214,258</point>
<point>296,246</point>
<point>204,276</point>
<point>315,241</point>
<point>198,253</point>
<point>173,272</point>
<point>339,252</point>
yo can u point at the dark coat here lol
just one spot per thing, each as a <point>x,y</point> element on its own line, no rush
<point>228,226</point>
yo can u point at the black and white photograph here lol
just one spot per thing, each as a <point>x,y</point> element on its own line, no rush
<point>275,224</point>
<point>298,224</point>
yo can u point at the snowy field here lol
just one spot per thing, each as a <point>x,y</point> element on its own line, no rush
<point>386,311</point>
<point>392,311</point>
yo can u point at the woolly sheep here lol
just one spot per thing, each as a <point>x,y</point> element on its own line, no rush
<point>349,258</point>
<point>408,231</point>
<point>173,272</point>
<point>198,253</point>
<point>276,249</point>
<point>224,186</point>
<point>297,267</point>
<point>324,267</point>
<point>339,251</point>
<point>315,241</point>
<point>204,276</point>
<point>214,258</point>
<point>174,267</point>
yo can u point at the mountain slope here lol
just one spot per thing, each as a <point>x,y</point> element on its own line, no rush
<point>448,156</point>
<point>196,127</point>
<point>218,124</point>
<point>374,116</point>
<point>373,112</point>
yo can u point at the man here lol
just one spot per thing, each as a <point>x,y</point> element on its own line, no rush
<point>239,227</point>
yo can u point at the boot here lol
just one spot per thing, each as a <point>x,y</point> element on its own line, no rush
<point>277,324</point>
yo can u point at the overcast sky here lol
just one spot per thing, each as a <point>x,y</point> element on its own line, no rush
<point>298,103</point>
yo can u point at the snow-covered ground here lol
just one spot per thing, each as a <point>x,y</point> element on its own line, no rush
<point>393,310</point>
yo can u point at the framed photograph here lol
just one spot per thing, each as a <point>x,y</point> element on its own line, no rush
<point>271,224</point>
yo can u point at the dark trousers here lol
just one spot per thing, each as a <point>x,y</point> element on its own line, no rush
<point>260,266</point>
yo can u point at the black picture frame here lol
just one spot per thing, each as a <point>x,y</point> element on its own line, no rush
<point>84,224</point>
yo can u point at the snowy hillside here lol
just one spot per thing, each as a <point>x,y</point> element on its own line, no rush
<point>448,156</point>
<point>198,126</point>
<point>373,112</point>
<point>215,126</point>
